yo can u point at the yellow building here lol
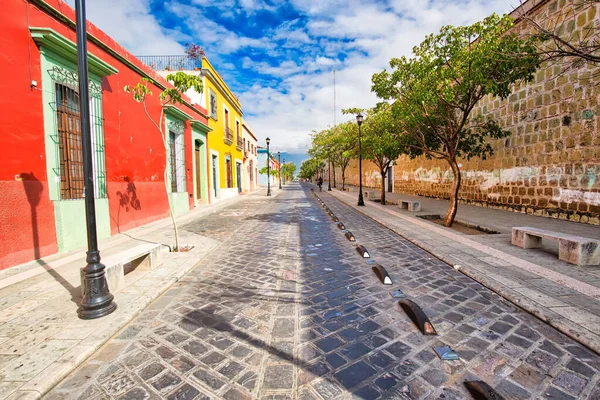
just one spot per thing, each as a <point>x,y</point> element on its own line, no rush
<point>225,142</point>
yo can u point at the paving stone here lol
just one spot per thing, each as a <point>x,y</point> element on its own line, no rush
<point>231,369</point>
<point>355,351</point>
<point>367,392</point>
<point>354,374</point>
<point>329,344</point>
<point>151,371</point>
<point>278,377</point>
<point>570,382</point>
<point>579,367</point>
<point>137,393</point>
<point>208,378</point>
<point>186,392</point>
<point>335,360</point>
<point>555,394</point>
<point>511,391</point>
<point>182,364</point>
<point>436,377</point>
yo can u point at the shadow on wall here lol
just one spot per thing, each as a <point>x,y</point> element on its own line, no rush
<point>33,190</point>
<point>128,201</point>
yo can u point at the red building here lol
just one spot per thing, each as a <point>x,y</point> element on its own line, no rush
<point>41,169</point>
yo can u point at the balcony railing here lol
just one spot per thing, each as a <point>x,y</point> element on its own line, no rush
<point>173,63</point>
<point>228,136</point>
<point>239,143</point>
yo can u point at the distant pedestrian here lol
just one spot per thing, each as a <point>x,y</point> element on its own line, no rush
<point>320,183</point>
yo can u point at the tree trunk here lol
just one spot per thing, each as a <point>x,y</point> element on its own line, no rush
<point>343,178</point>
<point>164,138</point>
<point>382,188</point>
<point>453,206</point>
<point>333,165</point>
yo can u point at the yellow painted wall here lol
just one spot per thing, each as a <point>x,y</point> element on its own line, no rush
<point>216,142</point>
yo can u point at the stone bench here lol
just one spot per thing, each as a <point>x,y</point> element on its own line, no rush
<point>410,205</point>
<point>373,195</point>
<point>146,256</point>
<point>572,249</point>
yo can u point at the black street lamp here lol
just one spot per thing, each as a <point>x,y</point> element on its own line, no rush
<point>279,161</point>
<point>268,168</point>
<point>359,120</point>
<point>97,300</point>
<point>284,172</point>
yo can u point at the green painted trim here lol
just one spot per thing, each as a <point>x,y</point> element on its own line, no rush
<point>201,126</point>
<point>200,136</point>
<point>47,62</point>
<point>71,228</point>
<point>50,40</point>
<point>66,20</point>
<point>179,202</point>
<point>175,112</point>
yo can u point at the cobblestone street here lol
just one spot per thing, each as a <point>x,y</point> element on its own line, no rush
<point>285,308</point>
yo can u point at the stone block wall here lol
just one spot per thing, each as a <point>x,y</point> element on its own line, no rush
<point>550,163</point>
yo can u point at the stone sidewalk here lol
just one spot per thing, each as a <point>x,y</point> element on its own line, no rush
<point>563,295</point>
<point>41,338</point>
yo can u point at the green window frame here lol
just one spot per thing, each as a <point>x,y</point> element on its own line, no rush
<point>62,124</point>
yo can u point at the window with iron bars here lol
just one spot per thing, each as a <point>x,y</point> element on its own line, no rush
<point>69,136</point>
<point>176,156</point>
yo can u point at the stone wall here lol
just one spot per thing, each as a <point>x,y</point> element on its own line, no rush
<point>550,163</point>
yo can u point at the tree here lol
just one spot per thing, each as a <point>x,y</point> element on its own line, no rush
<point>181,83</point>
<point>345,137</point>
<point>287,171</point>
<point>380,141</point>
<point>268,171</point>
<point>433,94</point>
<point>309,168</point>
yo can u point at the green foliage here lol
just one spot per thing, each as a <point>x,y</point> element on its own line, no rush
<point>287,170</point>
<point>309,168</point>
<point>432,95</point>
<point>267,171</point>
<point>181,82</point>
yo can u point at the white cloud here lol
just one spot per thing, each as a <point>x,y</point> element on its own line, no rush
<point>131,24</point>
<point>296,58</point>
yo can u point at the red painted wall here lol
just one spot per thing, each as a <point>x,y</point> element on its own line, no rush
<point>134,155</point>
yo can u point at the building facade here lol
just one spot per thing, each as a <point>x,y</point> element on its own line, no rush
<point>550,163</point>
<point>250,175</point>
<point>225,161</point>
<point>41,158</point>
<point>263,179</point>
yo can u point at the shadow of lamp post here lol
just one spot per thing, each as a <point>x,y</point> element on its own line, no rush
<point>97,300</point>
<point>359,121</point>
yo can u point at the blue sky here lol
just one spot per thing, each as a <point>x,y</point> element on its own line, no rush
<point>279,56</point>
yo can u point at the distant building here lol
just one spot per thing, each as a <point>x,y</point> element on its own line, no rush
<point>262,163</point>
<point>250,175</point>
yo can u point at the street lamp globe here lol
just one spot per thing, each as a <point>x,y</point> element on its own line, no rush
<point>269,140</point>
<point>359,119</point>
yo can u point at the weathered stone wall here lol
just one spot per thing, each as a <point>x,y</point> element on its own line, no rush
<point>550,163</point>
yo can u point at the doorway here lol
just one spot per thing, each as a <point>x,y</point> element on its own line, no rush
<point>215,167</point>
<point>238,176</point>
<point>197,160</point>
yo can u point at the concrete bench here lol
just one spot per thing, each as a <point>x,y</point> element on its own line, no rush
<point>410,205</point>
<point>572,249</point>
<point>373,195</point>
<point>141,257</point>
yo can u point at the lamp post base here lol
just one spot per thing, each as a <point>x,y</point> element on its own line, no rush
<point>360,199</point>
<point>97,300</point>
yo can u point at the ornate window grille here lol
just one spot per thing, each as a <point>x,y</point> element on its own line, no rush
<point>176,155</point>
<point>68,135</point>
